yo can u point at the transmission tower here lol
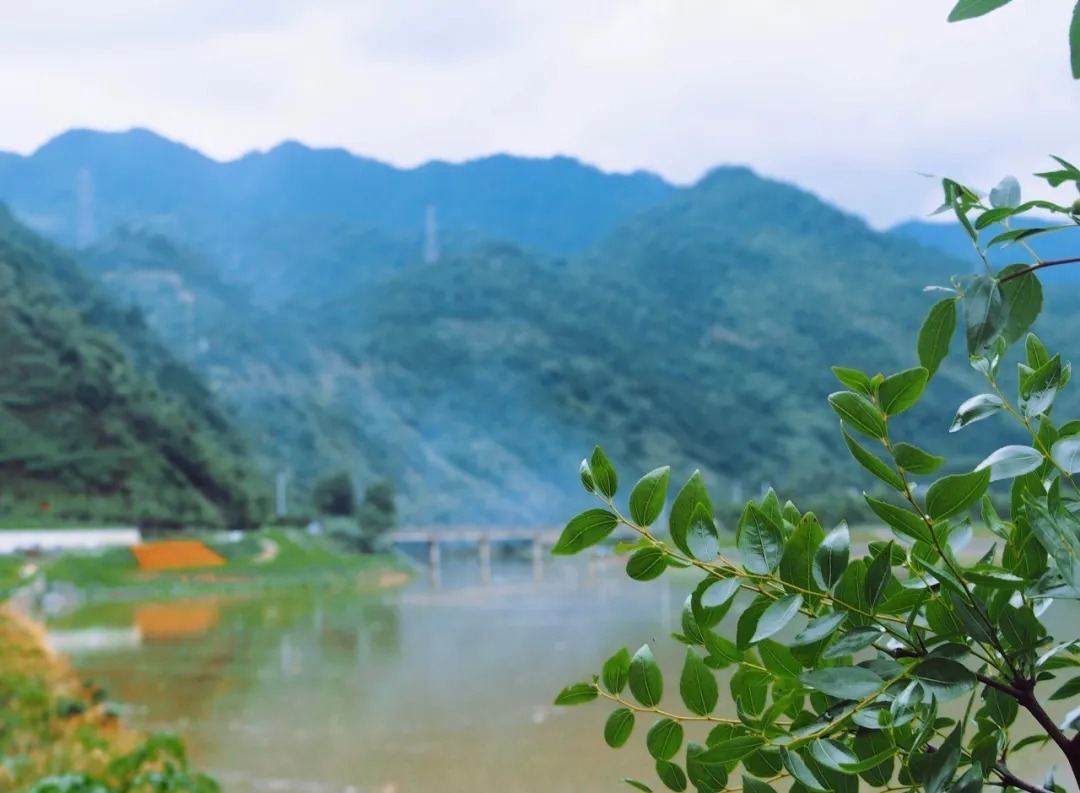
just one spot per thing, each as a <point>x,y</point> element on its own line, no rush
<point>85,229</point>
<point>431,237</point>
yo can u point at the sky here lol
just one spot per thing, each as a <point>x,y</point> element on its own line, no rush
<point>848,98</point>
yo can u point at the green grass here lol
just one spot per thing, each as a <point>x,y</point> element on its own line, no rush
<point>113,573</point>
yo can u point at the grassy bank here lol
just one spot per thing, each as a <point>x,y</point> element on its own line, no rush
<point>60,733</point>
<point>258,559</point>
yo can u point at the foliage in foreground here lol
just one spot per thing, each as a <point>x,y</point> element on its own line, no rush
<point>905,664</point>
<point>58,735</point>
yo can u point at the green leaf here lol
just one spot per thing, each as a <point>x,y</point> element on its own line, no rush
<point>759,541</point>
<point>637,785</point>
<point>722,650</point>
<point>797,561</point>
<point>992,519</point>
<point>1066,454</point>
<point>1037,354</point>
<point>648,496</point>
<point>843,682</point>
<point>870,763</point>
<point>854,379</point>
<point>664,739</point>
<point>1006,193</point>
<point>748,621</point>
<point>936,334</point>
<point>702,538</point>
<point>831,558</point>
<point>749,689</point>
<point>1009,462</point>
<point>1023,301</point>
<point>871,463</point>
<point>872,744</point>
<point>616,671</point>
<point>584,531</point>
<point>646,681</point>
<point>914,460</point>
<point>1020,628</point>
<point>953,494</point>
<point>706,777</point>
<point>776,617</point>
<point>902,520</point>
<point>751,785</point>
<point>618,727</point>
<point>697,685</point>
<point>832,754</point>
<point>798,768</point>
<point>820,628</point>
<point>1038,391</point>
<point>971,781</point>
<point>779,660</point>
<point>1074,42</point>
<point>683,507</point>
<point>645,564</point>
<point>851,592</point>
<point>969,9</point>
<point>1001,708</point>
<point>900,391</point>
<point>576,694</point>
<point>976,409</point>
<point>878,576</point>
<point>852,642</point>
<point>672,775</point>
<point>984,313</point>
<point>944,679</point>
<point>859,412</point>
<point>732,750</point>
<point>1068,690</point>
<point>603,473</point>
<point>941,765</point>
<point>587,477</point>
<point>712,600</point>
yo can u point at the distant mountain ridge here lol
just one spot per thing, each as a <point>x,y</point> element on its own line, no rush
<point>555,204</point>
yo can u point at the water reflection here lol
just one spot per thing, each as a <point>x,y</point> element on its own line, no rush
<point>415,691</point>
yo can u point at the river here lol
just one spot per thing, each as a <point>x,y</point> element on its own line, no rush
<point>428,689</point>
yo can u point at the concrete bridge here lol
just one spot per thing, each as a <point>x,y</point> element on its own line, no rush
<point>483,538</point>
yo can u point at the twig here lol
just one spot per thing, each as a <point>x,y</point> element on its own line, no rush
<point>1039,266</point>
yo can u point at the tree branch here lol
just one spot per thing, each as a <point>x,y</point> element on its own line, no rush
<point>1012,691</point>
<point>1011,780</point>
<point>1039,266</point>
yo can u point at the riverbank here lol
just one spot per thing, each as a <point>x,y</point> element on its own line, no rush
<point>56,725</point>
<point>250,562</point>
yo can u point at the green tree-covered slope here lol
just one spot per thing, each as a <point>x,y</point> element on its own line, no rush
<point>471,381</point>
<point>97,417</point>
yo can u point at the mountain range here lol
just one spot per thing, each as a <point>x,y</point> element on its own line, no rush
<point>565,307</point>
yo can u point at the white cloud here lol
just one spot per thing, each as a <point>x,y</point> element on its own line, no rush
<point>846,97</point>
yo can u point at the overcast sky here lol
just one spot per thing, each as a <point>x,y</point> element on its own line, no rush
<point>848,98</point>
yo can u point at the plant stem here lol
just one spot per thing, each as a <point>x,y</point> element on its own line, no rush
<point>1009,779</point>
<point>1070,748</point>
<point>1039,266</point>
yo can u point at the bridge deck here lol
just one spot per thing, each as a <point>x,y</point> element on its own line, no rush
<point>546,536</point>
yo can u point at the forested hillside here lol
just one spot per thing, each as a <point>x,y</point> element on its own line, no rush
<point>98,419</point>
<point>700,333</point>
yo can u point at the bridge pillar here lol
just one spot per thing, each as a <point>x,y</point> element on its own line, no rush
<point>434,560</point>
<point>485,558</point>
<point>538,557</point>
